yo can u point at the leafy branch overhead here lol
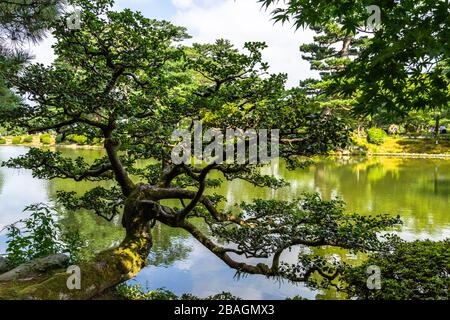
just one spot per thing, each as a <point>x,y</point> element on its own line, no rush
<point>402,66</point>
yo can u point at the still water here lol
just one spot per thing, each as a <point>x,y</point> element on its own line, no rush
<point>416,189</point>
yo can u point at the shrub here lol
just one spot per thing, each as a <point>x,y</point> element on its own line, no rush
<point>16,140</point>
<point>37,237</point>
<point>136,292</point>
<point>59,138</point>
<point>97,141</point>
<point>78,139</point>
<point>46,138</point>
<point>40,235</point>
<point>376,136</point>
<point>28,139</point>
<point>416,270</point>
<point>2,141</point>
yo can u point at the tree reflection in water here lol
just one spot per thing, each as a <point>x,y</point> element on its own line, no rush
<point>168,246</point>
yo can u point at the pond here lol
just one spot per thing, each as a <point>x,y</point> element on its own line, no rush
<point>416,189</point>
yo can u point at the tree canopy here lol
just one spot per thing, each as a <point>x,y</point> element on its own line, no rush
<point>21,22</point>
<point>405,65</point>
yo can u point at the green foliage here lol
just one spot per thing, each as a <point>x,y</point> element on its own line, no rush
<point>135,292</point>
<point>78,139</point>
<point>8,100</point>
<point>220,296</point>
<point>409,271</point>
<point>97,141</point>
<point>310,13</point>
<point>104,202</point>
<point>376,136</point>
<point>39,236</point>
<point>331,53</point>
<point>73,244</point>
<point>16,140</point>
<point>62,166</point>
<point>405,64</point>
<point>2,140</point>
<point>28,139</point>
<point>45,138</point>
<point>23,20</point>
<point>37,239</point>
<point>270,225</point>
<point>45,135</point>
<point>59,139</point>
<point>46,141</point>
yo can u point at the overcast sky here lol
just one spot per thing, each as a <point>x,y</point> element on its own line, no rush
<point>236,20</point>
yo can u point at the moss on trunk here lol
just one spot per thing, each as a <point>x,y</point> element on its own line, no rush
<point>108,269</point>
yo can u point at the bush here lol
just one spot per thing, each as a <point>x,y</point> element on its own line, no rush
<point>416,270</point>
<point>2,141</point>
<point>41,235</point>
<point>78,139</point>
<point>376,136</point>
<point>28,139</point>
<point>136,292</point>
<point>46,140</point>
<point>59,138</point>
<point>97,141</point>
<point>16,140</point>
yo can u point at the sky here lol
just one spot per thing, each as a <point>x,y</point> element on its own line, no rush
<point>236,20</point>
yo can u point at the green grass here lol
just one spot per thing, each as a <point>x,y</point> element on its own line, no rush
<point>405,145</point>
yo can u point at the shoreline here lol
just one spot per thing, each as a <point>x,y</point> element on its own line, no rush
<point>337,155</point>
<point>392,155</point>
<point>68,146</point>
<point>411,155</point>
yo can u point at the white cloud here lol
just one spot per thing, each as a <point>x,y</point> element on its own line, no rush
<point>44,53</point>
<point>244,20</point>
<point>183,4</point>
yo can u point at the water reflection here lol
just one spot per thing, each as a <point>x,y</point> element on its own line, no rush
<point>170,245</point>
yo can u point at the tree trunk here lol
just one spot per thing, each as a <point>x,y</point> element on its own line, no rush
<point>345,52</point>
<point>436,129</point>
<point>108,269</point>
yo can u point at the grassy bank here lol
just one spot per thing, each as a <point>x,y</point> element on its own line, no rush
<point>401,145</point>
<point>42,141</point>
<point>390,146</point>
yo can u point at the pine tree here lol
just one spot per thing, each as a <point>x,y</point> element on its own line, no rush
<point>330,53</point>
<point>21,22</point>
